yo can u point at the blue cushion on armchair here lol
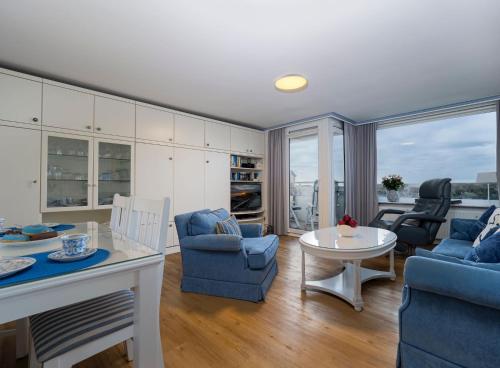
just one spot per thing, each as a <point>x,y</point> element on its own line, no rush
<point>202,223</point>
<point>260,251</point>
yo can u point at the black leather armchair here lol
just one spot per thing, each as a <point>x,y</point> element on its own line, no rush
<point>419,226</point>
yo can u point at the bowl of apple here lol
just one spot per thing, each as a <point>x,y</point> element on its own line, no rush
<point>347,226</point>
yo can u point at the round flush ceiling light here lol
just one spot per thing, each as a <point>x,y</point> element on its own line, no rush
<point>291,83</point>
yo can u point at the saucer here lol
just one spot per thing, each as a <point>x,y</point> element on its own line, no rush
<point>60,256</point>
<point>12,265</point>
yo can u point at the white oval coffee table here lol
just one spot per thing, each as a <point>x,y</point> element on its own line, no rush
<point>368,242</point>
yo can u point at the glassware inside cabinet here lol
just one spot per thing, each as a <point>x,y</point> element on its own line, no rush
<point>67,172</point>
<point>115,165</point>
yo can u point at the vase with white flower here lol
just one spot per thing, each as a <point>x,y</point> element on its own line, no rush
<point>392,184</point>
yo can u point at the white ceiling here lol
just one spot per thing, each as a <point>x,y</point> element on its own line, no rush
<point>364,59</point>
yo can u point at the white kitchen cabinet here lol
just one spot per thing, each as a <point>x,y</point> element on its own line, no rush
<point>67,172</point>
<point>154,172</point>
<point>217,136</point>
<point>189,179</point>
<point>239,140</point>
<point>20,100</point>
<point>256,143</point>
<point>189,131</point>
<point>20,168</point>
<point>247,141</point>
<point>172,238</point>
<point>154,124</point>
<point>217,185</point>
<point>67,108</point>
<point>113,171</point>
<point>114,117</point>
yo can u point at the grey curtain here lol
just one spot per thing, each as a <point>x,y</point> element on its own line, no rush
<point>361,171</point>
<point>498,146</point>
<point>276,178</point>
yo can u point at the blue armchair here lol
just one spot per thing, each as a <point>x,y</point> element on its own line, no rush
<point>450,314</point>
<point>225,265</point>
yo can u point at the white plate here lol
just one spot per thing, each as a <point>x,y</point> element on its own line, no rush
<point>60,256</point>
<point>30,243</point>
<point>11,265</point>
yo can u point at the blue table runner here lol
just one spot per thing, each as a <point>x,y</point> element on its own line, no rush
<point>46,268</point>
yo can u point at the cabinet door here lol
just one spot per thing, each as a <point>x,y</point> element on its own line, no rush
<point>67,108</point>
<point>154,172</point>
<point>20,168</point>
<point>189,172</point>
<point>189,131</point>
<point>154,125</point>
<point>239,140</point>
<point>217,136</point>
<point>114,117</point>
<point>256,143</point>
<point>217,177</point>
<point>20,100</point>
<point>66,172</point>
<point>113,171</point>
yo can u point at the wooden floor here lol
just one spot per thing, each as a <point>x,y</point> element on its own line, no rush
<point>290,329</point>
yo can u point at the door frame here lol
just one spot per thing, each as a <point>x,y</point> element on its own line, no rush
<point>325,129</point>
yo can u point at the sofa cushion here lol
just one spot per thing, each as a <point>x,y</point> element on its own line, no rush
<point>486,214</point>
<point>260,251</point>
<point>488,250</point>
<point>453,248</point>
<point>493,221</point>
<point>229,226</point>
<point>202,223</point>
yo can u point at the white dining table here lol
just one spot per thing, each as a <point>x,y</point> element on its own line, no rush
<point>129,265</point>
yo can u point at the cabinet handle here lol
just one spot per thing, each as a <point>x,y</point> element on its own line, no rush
<point>170,225</point>
<point>98,129</point>
<point>170,139</point>
<point>251,150</point>
<point>35,119</point>
<point>208,162</point>
<point>35,181</point>
<point>208,144</point>
<point>89,127</point>
<point>170,158</point>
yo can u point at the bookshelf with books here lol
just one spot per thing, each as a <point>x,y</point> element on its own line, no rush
<point>246,179</point>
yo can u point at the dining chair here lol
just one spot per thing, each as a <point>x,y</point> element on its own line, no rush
<point>120,214</point>
<point>65,336</point>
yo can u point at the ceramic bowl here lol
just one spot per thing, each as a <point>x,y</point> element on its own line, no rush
<point>74,244</point>
<point>35,229</point>
<point>346,230</point>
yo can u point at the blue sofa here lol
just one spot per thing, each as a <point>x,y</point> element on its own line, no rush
<point>450,314</point>
<point>225,265</point>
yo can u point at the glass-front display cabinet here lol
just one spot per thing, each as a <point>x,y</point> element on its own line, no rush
<point>66,172</point>
<point>80,173</point>
<point>113,171</point>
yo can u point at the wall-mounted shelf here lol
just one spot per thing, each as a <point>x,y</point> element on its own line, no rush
<point>245,168</point>
<point>247,212</point>
<point>246,181</point>
<point>251,219</point>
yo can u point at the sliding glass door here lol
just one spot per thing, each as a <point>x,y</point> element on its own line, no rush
<point>303,151</point>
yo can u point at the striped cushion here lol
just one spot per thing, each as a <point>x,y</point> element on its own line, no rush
<point>60,330</point>
<point>229,226</point>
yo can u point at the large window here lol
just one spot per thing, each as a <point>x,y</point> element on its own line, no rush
<point>459,147</point>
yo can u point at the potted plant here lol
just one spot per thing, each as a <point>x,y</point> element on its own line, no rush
<point>393,183</point>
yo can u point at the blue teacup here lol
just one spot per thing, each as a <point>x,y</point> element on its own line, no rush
<point>74,244</point>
